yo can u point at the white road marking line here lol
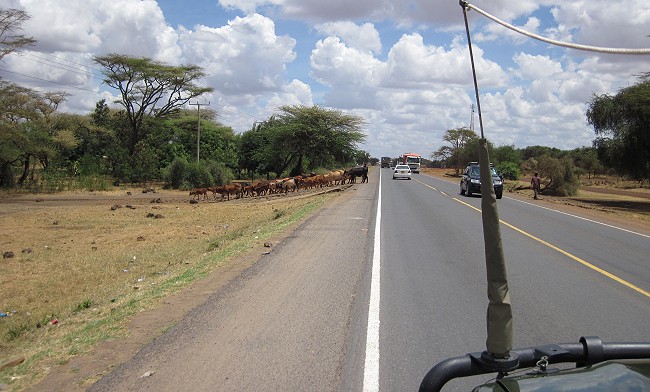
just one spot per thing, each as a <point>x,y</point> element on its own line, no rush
<point>371,366</point>
<point>551,209</point>
<point>583,218</point>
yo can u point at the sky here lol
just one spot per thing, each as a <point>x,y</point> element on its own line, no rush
<point>401,65</point>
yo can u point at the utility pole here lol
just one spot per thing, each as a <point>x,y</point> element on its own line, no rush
<point>198,131</point>
<point>471,121</point>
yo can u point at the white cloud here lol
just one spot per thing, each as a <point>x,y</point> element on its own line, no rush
<point>294,93</point>
<point>119,26</point>
<point>606,23</point>
<point>244,57</point>
<point>364,37</point>
<point>413,64</point>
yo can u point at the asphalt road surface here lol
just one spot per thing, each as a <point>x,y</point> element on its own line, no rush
<point>300,319</point>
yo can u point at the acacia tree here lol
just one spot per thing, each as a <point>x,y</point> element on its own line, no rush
<point>622,126</point>
<point>302,138</point>
<point>318,136</point>
<point>453,153</point>
<point>149,88</point>
<point>217,143</point>
<point>11,21</point>
<point>27,136</point>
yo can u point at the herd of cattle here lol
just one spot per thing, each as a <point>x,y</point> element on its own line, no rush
<point>284,185</point>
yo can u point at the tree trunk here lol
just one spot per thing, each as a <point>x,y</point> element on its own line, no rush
<point>23,177</point>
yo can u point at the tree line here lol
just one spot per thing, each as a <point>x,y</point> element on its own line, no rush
<point>152,136</point>
<point>42,148</point>
<point>621,146</point>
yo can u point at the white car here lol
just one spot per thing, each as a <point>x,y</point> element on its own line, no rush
<point>402,171</point>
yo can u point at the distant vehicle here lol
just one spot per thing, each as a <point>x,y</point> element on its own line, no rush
<point>412,160</point>
<point>385,162</point>
<point>402,171</point>
<point>470,182</point>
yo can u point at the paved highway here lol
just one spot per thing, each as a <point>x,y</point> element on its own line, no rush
<point>337,307</point>
<point>568,277</point>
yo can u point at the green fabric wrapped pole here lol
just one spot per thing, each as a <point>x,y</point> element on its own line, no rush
<point>499,313</point>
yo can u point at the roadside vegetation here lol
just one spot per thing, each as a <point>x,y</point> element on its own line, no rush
<point>152,136</point>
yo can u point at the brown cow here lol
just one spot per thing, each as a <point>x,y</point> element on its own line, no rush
<point>261,188</point>
<point>289,184</point>
<point>197,192</point>
<point>227,190</point>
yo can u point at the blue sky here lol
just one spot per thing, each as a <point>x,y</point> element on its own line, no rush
<point>402,65</point>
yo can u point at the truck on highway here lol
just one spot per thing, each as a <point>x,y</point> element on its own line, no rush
<point>413,160</point>
<point>385,162</point>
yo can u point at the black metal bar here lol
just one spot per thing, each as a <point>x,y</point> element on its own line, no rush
<point>463,4</point>
<point>590,350</point>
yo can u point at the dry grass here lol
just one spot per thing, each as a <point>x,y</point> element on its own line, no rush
<point>81,269</point>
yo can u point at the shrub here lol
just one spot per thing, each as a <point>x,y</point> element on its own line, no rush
<point>176,172</point>
<point>220,173</point>
<point>509,170</point>
<point>198,176</point>
<point>560,174</point>
<point>7,177</point>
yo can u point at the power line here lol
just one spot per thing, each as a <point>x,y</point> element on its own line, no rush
<point>48,81</point>
<point>90,71</point>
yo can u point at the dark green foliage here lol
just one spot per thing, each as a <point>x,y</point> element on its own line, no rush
<point>509,170</point>
<point>559,175</point>
<point>220,174</point>
<point>622,126</point>
<point>198,176</point>
<point>469,153</point>
<point>538,151</point>
<point>176,173</point>
<point>506,154</point>
<point>301,139</point>
<point>586,161</point>
<point>145,164</point>
<point>7,176</point>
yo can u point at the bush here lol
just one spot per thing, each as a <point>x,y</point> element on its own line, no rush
<point>176,172</point>
<point>220,173</point>
<point>7,177</point>
<point>509,170</point>
<point>198,176</point>
<point>561,176</point>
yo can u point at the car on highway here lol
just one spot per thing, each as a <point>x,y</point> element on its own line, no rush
<point>402,171</point>
<point>470,182</point>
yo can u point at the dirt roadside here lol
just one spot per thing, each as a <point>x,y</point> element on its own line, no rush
<point>82,371</point>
